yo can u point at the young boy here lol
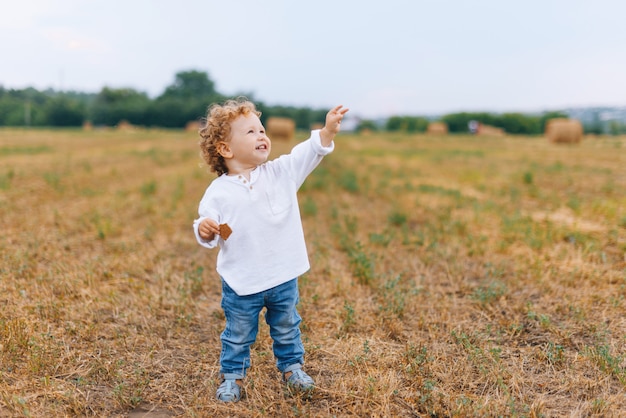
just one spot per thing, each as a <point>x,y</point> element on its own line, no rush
<point>251,212</point>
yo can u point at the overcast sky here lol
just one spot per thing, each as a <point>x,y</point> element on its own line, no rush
<point>380,58</point>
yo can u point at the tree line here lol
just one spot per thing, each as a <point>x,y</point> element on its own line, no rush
<point>185,100</point>
<point>188,98</point>
<point>513,123</point>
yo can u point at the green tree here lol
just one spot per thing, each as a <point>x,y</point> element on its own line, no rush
<point>63,111</point>
<point>546,116</point>
<point>12,111</point>
<point>406,124</point>
<point>615,127</point>
<point>366,125</point>
<point>114,105</point>
<point>517,123</point>
<point>186,99</point>
<point>190,85</point>
<point>458,122</point>
<point>417,124</point>
<point>394,124</point>
<point>22,107</point>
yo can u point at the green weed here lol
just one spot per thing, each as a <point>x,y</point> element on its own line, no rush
<point>148,188</point>
<point>528,178</point>
<point>486,295</point>
<point>417,359</point>
<point>348,180</point>
<point>361,263</point>
<point>348,316</point>
<point>5,179</point>
<point>427,188</point>
<point>394,296</point>
<point>381,239</point>
<point>5,151</point>
<point>54,180</point>
<point>608,363</point>
<point>397,218</point>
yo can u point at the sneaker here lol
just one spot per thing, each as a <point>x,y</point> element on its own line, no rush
<point>299,381</point>
<point>229,391</point>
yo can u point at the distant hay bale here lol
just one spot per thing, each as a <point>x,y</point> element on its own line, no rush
<point>87,126</point>
<point>437,128</point>
<point>315,126</point>
<point>281,129</point>
<point>564,131</point>
<point>124,125</point>
<point>193,126</point>
<point>488,130</point>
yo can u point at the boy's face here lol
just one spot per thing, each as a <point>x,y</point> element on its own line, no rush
<point>248,146</point>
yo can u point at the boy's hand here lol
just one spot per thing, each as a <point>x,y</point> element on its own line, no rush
<point>333,124</point>
<point>207,229</point>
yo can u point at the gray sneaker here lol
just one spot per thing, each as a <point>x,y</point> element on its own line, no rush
<point>299,381</point>
<point>229,391</point>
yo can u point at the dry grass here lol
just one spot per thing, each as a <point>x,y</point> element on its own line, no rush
<point>452,276</point>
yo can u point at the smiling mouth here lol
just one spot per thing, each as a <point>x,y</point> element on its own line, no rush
<point>263,147</point>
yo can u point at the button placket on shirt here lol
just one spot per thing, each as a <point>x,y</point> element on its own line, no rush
<point>245,181</point>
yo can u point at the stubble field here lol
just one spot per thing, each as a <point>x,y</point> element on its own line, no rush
<point>451,276</point>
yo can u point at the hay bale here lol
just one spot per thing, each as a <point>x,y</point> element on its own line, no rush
<point>282,129</point>
<point>87,126</point>
<point>125,125</point>
<point>315,126</point>
<point>488,130</point>
<point>564,131</point>
<point>193,126</point>
<point>437,128</point>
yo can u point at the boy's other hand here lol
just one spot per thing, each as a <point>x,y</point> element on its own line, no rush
<point>207,229</point>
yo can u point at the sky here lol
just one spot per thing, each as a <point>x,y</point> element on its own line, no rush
<point>379,58</point>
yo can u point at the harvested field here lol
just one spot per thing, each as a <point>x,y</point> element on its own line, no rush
<point>451,276</point>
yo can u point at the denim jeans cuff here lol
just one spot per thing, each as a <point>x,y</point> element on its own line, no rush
<point>232,376</point>
<point>292,367</point>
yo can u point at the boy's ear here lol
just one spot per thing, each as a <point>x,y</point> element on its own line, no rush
<point>224,150</point>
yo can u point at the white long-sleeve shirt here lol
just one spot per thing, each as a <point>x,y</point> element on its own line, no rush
<point>266,247</point>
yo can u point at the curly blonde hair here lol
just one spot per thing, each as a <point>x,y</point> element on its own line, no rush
<point>217,129</point>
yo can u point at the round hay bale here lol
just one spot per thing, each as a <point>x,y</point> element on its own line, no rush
<point>488,130</point>
<point>124,125</point>
<point>437,128</point>
<point>193,126</point>
<point>281,129</point>
<point>564,131</point>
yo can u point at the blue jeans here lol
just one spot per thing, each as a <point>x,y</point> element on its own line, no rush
<point>242,326</point>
